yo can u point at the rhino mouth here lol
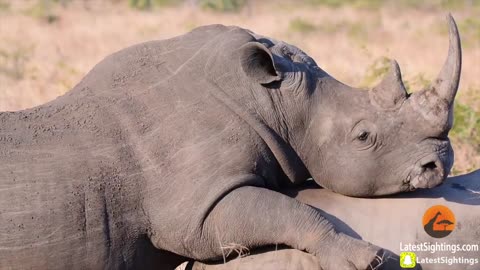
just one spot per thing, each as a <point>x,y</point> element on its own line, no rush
<point>429,171</point>
<point>427,179</point>
<point>407,185</point>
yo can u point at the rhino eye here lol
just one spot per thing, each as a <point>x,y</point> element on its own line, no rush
<point>363,136</point>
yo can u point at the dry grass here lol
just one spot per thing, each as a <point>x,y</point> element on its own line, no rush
<point>44,51</point>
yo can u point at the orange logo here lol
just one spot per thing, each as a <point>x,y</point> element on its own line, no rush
<point>438,221</point>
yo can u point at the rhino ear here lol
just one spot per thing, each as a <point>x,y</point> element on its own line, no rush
<point>257,63</point>
<point>390,91</point>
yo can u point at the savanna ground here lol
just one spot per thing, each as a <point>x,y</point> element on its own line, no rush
<point>47,46</point>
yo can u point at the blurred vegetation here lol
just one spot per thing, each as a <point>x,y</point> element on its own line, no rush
<point>354,3</point>
<point>150,4</point>
<point>381,66</point>
<point>466,125</point>
<point>214,5</point>
<point>355,31</point>
<point>373,4</point>
<point>46,10</point>
<point>43,8</point>
<point>66,82</point>
<point>300,25</point>
<point>470,29</point>
<point>466,130</point>
<point>223,5</point>
<point>13,62</point>
<point>4,5</point>
<point>375,72</point>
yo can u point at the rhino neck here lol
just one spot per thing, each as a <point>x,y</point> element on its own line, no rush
<point>333,104</point>
<point>266,114</point>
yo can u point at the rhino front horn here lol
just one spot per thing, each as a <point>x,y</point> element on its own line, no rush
<point>436,101</point>
<point>446,84</point>
<point>390,92</point>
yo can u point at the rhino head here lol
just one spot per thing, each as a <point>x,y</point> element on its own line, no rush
<point>361,143</point>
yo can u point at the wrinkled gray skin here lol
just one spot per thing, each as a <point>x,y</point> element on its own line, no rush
<point>388,222</point>
<point>180,144</point>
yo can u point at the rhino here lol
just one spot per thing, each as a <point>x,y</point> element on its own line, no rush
<point>181,145</point>
<point>393,222</point>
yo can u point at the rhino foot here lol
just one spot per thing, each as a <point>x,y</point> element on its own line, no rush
<point>345,252</point>
<point>282,259</point>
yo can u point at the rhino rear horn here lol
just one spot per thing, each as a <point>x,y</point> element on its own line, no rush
<point>257,63</point>
<point>390,91</point>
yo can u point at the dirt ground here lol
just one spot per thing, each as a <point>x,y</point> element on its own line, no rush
<point>46,47</point>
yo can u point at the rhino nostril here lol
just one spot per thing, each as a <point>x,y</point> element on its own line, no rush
<point>431,174</point>
<point>429,166</point>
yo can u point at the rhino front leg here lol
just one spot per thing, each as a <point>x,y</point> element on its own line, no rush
<point>254,217</point>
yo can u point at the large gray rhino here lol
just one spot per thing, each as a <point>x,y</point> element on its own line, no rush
<point>180,145</point>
